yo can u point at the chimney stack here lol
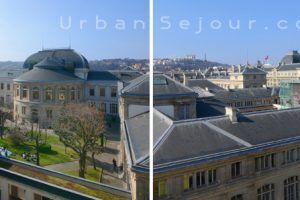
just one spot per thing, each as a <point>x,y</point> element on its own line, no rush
<point>184,79</point>
<point>232,114</point>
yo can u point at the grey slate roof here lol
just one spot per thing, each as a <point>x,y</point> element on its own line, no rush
<point>194,141</point>
<point>164,87</point>
<point>101,75</point>
<point>126,75</point>
<point>203,83</point>
<point>244,94</point>
<point>187,140</point>
<point>71,58</point>
<point>288,67</point>
<point>253,70</point>
<point>137,134</point>
<point>47,75</point>
<point>263,127</point>
<point>291,58</point>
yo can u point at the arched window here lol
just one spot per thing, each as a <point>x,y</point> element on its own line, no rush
<point>73,94</point>
<point>48,94</point>
<point>62,94</point>
<point>36,93</point>
<point>291,190</point>
<point>266,192</point>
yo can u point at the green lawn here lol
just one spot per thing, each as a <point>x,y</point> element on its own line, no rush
<point>56,155</point>
<point>91,174</point>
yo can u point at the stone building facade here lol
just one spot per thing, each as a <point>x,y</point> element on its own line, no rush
<point>62,76</point>
<point>250,156</point>
<point>6,85</point>
<point>249,77</point>
<point>288,69</point>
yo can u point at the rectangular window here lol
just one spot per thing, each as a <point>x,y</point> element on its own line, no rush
<point>2,86</point>
<point>237,197</point>
<point>103,107</point>
<point>113,108</point>
<point>18,91</point>
<point>200,179</point>
<point>162,190</point>
<point>184,111</point>
<point>155,189</point>
<point>265,162</point>
<point>40,197</point>
<point>236,169</point>
<point>290,155</point>
<point>49,114</point>
<point>188,182</point>
<point>92,92</point>
<point>113,92</point>
<point>23,110</point>
<point>8,86</point>
<point>25,93</point>
<point>102,92</point>
<point>212,176</point>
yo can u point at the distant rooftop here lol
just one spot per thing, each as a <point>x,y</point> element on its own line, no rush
<point>163,87</point>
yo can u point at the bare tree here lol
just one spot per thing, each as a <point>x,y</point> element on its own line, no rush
<point>4,115</point>
<point>80,127</point>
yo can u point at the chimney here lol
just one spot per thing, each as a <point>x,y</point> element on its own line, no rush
<point>232,114</point>
<point>184,79</point>
<point>239,68</point>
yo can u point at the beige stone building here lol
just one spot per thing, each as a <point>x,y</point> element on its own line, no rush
<point>249,77</point>
<point>6,86</point>
<point>62,76</point>
<point>288,69</point>
<point>234,157</point>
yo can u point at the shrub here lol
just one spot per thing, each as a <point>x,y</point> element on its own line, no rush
<point>45,148</point>
<point>16,138</point>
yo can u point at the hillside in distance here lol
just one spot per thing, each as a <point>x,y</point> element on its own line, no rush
<point>10,65</point>
<point>186,64</point>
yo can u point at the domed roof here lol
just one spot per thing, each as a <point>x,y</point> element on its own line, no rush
<point>291,58</point>
<point>69,58</point>
<point>50,63</point>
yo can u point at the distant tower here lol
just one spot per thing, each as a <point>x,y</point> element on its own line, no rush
<point>205,60</point>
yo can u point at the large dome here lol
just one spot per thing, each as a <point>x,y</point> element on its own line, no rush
<point>291,58</point>
<point>70,58</point>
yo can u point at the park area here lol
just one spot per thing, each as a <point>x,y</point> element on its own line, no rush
<point>52,153</point>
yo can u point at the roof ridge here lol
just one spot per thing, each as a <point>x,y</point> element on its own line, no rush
<point>139,80</point>
<point>227,134</point>
<point>178,83</point>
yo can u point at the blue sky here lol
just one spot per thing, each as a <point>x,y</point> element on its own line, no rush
<point>226,45</point>
<point>24,25</point>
